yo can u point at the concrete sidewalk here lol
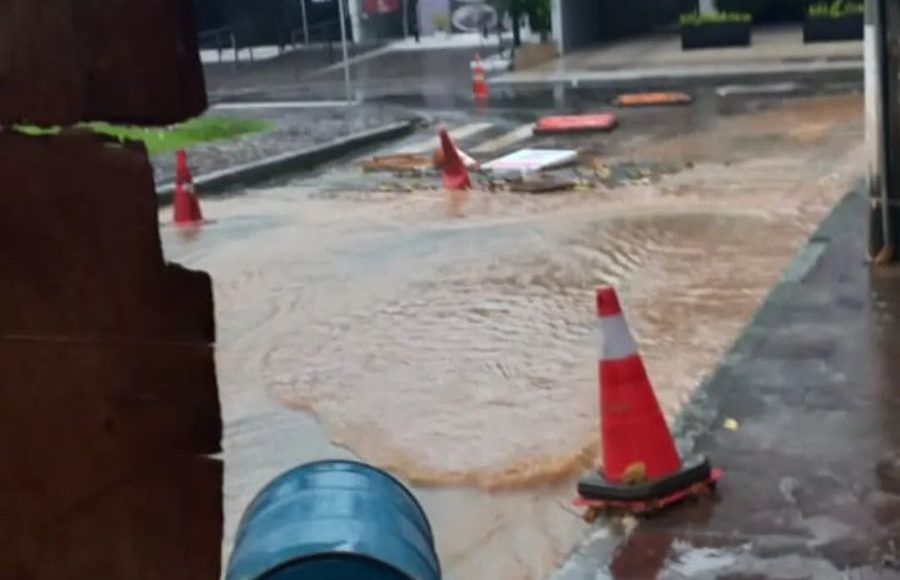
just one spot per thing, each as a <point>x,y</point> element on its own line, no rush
<point>812,484</point>
<point>777,53</point>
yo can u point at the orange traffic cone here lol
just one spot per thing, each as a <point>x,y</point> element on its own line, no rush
<point>455,176</point>
<point>479,84</point>
<point>187,205</point>
<point>640,461</point>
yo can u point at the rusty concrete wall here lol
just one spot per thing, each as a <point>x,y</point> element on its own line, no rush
<point>109,407</point>
<point>128,61</point>
<point>108,398</point>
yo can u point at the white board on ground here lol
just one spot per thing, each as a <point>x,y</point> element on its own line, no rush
<point>531,160</point>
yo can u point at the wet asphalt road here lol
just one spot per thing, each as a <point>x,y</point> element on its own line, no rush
<point>819,499</point>
<point>623,150</point>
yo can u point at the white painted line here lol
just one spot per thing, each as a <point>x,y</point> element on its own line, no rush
<point>766,89</point>
<point>520,134</point>
<point>281,105</point>
<point>260,53</point>
<point>457,134</point>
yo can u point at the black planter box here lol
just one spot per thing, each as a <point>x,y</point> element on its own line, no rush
<point>832,29</point>
<point>716,35</point>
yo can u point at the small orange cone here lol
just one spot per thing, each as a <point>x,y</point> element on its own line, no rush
<point>455,176</point>
<point>186,205</point>
<point>641,469</point>
<point>479,84</point>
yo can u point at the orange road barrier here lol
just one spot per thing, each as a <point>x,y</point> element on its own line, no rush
<point>575,124</point>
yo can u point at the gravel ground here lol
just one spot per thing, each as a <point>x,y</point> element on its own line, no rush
<point>294,130</point>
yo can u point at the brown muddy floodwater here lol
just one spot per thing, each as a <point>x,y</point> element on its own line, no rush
<point>457,353</point>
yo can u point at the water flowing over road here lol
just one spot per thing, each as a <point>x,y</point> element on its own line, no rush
<point>458,353</point>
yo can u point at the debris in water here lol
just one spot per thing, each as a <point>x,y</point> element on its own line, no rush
<point>731,424</point>
<point>542,184</point>
<point>652,99</point>
<point>406,163</point>
<point>635,474</point>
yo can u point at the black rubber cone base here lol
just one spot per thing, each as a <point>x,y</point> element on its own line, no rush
<point>593,487</point>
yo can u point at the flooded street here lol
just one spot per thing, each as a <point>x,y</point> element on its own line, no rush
<point>458,353</point>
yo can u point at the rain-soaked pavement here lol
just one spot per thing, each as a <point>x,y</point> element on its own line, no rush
<point>802,416</point>
<point>457,353</point>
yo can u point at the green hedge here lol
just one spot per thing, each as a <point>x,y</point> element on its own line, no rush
<point>836,9</point>
<point>695,19</point>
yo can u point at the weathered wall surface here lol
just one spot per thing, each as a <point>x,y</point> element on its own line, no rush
<point>108,398</point>
<point>129,61</point>
<point>109,407</point>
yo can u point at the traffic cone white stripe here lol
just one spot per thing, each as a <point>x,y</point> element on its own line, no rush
<point>613,338</point>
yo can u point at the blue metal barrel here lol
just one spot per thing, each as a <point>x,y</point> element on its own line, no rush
<point>334,520</point>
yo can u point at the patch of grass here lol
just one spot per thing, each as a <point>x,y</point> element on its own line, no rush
<point>167,139</point>
<point>200,130</point>
<point>36,131</point>
<point>697,19</point>
<point>836,9</point>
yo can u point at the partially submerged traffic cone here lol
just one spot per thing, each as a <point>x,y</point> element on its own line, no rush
<point>186,207</point>
<point>640,461</point>
<point>455,176</point>
<point>479,84</point>
<point>438,158</point>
